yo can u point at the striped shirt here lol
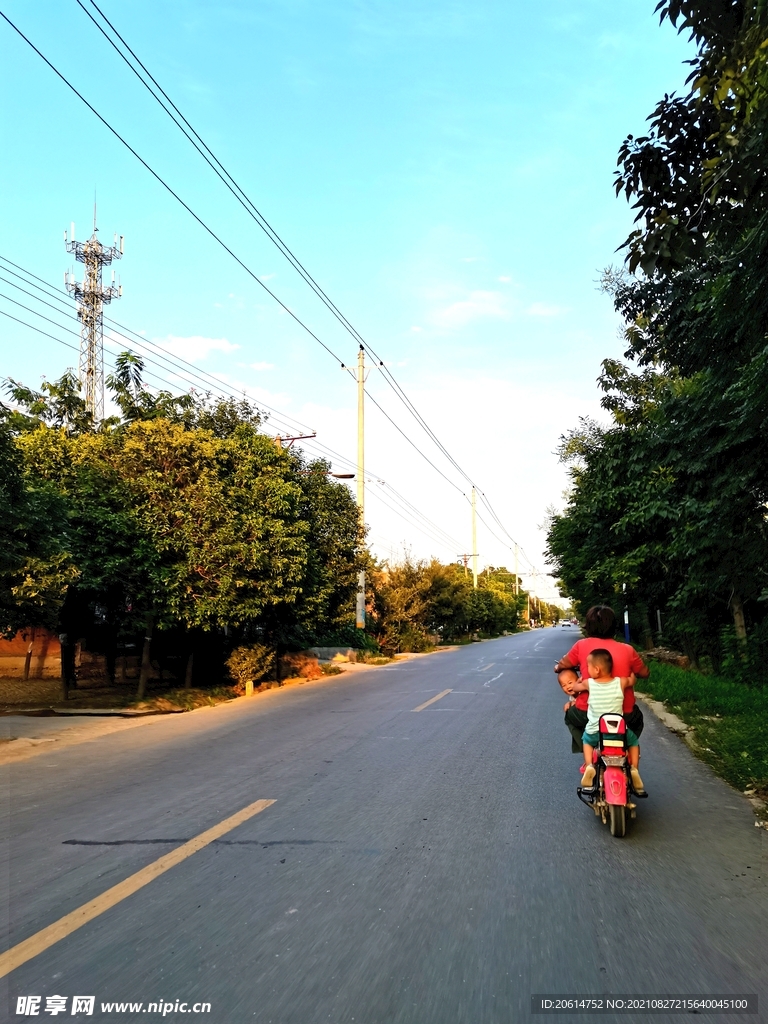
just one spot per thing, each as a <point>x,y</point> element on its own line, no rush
<point>604,699</point>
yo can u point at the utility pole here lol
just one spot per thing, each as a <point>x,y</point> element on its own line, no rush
<point>360,605</point>
<point>465,560</point>
<point>474,539</point>
<point>91,297</point>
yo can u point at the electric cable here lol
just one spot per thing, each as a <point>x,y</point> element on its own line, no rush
<point>388,376</point>
<point>66,344</point>
<point>175,195</point>
<point>412,522</point>
<point>397,497</point>
<point>211,382</point>
<point>247,203</point>
<point>412,443</point>
<point>108,339</point>
<point>428,528</point>
<point>445,540</point>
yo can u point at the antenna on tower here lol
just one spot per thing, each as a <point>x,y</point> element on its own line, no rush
<point>91,297</point>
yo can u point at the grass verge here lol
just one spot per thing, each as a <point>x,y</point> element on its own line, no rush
<point>186,700</point>
<point>729,720</point>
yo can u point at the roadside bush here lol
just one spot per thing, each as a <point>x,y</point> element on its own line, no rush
<point>348,636</point>
<point>250,664</point>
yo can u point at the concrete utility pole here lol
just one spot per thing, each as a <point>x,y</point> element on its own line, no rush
<point>91,297</point>
<point>360,606</point>
<point>474,539</point>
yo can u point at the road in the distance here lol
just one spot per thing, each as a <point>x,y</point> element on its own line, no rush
<point>423,867</point>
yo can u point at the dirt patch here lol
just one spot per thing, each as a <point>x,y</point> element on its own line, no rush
<point>93,694</point>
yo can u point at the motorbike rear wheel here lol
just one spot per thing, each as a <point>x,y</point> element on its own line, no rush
<point>618,820</point>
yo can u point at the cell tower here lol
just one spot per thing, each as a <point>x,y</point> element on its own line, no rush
<point>91,298</point>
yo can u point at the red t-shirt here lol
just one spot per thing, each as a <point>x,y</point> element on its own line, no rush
<point>625,660</point>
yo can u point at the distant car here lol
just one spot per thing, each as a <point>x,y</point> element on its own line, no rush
<point>565,623</point>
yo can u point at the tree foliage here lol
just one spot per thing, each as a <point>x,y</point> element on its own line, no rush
<point>35,566</point>
<point>671,499</point>
<point>418,603</point>
<point>180,512</point>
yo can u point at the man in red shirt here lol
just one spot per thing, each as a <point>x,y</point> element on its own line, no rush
<point>600,627</point>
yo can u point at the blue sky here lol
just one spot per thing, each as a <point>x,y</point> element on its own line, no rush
<point>444,170</point>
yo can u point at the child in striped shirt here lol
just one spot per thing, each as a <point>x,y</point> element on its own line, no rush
<point>606,697</point>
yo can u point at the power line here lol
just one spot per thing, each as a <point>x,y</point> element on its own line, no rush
<point>75,348</point>
<point>177,363</point>
<point>412,521</point>
<point>432,530</point>
<point>426,527</point>
<point>445,540</point>
<point>238,260</point>
<point>150,373</point>
<point>396,496</point>
<point>66,344</point>
<point>388,376</point>
<point>175,195</point>
<point>249,206</point>
<point>412,443</point>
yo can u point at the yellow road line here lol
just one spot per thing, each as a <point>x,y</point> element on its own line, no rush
<point>47,937</point>
<point>424,705</point>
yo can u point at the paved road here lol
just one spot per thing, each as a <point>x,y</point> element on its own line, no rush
<point>416,868</point>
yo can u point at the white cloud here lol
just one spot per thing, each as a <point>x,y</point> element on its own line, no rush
<point>267,277</point>
<point>480,304</point>
<point>504,279</point>
<point>542,309</point>
<point>194,347</point>
<point>262,366</point>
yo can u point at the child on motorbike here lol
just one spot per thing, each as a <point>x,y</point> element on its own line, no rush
<point>606,696</point>
<point>568,678</point>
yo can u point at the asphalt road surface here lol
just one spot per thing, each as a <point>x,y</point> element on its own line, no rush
<point>422,867</point>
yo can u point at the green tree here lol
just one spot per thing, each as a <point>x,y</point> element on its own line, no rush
<point>179,514</point>
<point>36,566</point>
<point>671,499</point>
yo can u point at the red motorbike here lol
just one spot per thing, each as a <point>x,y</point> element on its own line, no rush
<point>611,795</point>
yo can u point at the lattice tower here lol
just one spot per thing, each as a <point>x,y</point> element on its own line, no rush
<point>91,297</point>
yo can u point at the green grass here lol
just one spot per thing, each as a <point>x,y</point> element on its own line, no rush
<point>730,721</point>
